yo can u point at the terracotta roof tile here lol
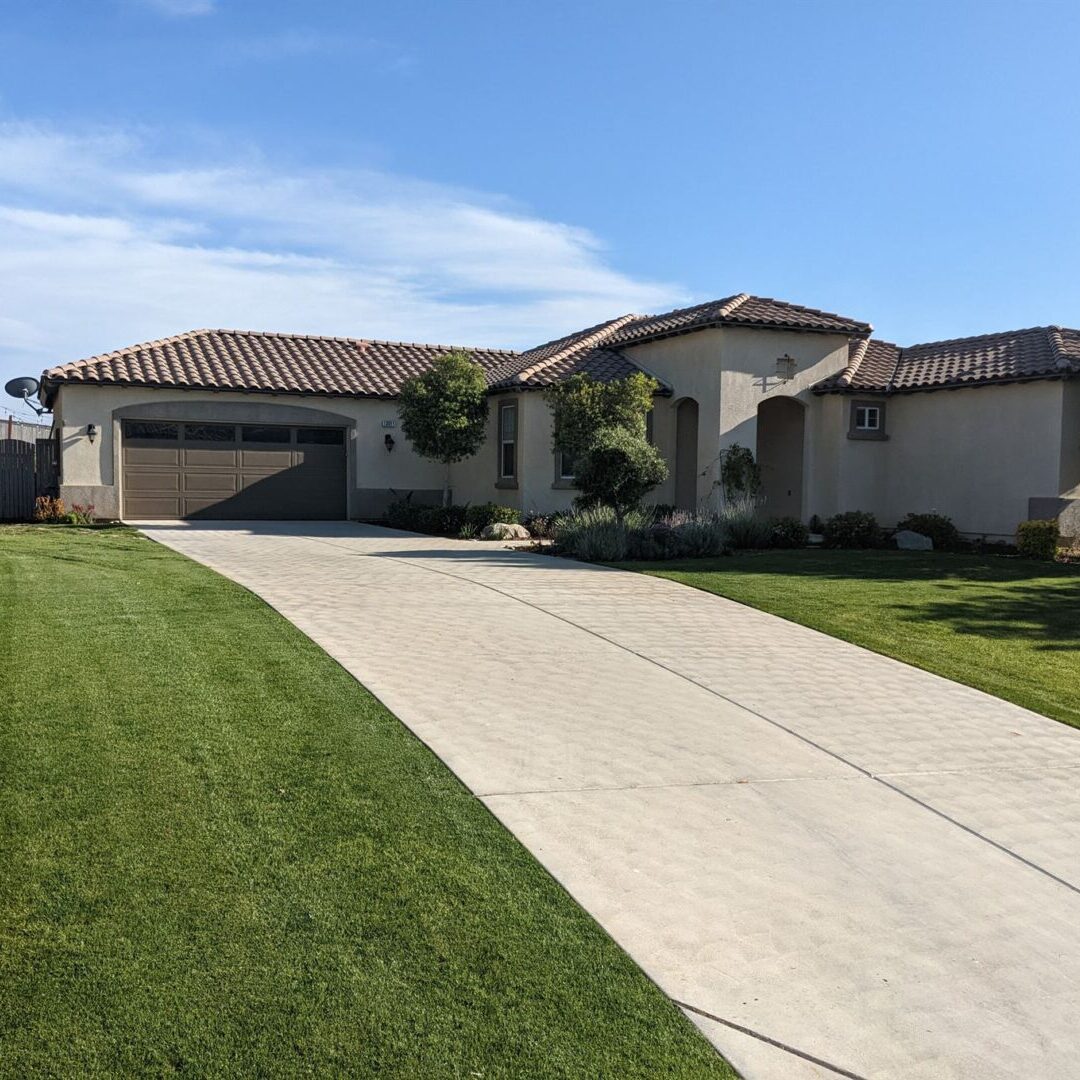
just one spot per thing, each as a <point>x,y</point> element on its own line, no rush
<point>741,309</point>
<point>255,362</point>
<point>1041,352</point>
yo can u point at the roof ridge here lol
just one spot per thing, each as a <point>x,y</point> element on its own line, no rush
<point>591,341</point>
<point>736,301</point>
<point>854,360</point>
<point>977,337</point>
<point>1057,348</point>
<point>351,340</point>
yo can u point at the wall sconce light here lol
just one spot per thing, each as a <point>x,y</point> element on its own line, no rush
<point>91,433</point>
<point>785,367</point>
<point>388,442</point>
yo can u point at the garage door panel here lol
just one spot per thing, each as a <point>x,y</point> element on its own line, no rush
<point>220,482</point>
<point>148,481</point>
<point>222,472</point>
<point>151,506</point>
<point>218,458</point>
<point>151,455</point>
<point>266,459</point>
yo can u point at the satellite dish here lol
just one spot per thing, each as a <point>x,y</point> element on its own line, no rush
<point>22,387</point>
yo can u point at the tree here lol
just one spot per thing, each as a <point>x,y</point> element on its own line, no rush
<point>619,468</point>
<point>444,411</point>
<point>602,426</point>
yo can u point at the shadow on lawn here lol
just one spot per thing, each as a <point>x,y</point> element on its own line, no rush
<point>1024,601</point>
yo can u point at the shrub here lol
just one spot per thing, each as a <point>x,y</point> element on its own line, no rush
<point>789,532</point>
<point>49,511</point>
<point>1037,539</point>
<point>855,529</point>
<point>468,531</point>
<point>619,468</point>
<point>482,515</point>
<point>84,515</point>
<point>742,524</point>
<point>698,535</point>
<point>543,526</point>
<point>432,520</point>
<point>938,527</point>
<point>594,534</point>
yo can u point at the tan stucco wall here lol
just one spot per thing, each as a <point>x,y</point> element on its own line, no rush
<point>91,472</point>
<point>729,372</point>
<point>977,455</point>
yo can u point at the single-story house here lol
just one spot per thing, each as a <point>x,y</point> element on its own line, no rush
<point>236,424</point>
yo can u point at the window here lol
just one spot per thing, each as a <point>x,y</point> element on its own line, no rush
<point>565,465</point>
<point>649,426</point>
<point>266,434</point>
<point>320,436</point>
<point>867,420</point>
<point>209,432</point>
<point>150,429</point>
<point>508,440</point>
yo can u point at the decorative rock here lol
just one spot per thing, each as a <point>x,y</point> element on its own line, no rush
<point>906,540</point>
<point>501,530</point>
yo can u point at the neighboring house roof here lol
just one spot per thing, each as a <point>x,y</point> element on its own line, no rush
<point>256,362</point>
<point>879,367</point>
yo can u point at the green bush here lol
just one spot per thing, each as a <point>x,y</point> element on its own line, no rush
<point>855,529</point>
<point>594,534</point>
<point>938,527</point>
<point>678,535</point>
<point>482,515</point>
<point>543,526</point>
<point>744,527</point>
<point>418,517</point>
<point>789,532</point>
<point>1038,539</point>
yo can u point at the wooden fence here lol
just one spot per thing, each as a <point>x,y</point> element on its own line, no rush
<point>27,470</point>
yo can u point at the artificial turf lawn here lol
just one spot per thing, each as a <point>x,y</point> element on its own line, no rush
<point>1008,626</point>
<point>222,857</point>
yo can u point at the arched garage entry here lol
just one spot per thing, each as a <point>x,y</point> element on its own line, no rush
<point>781,423</point>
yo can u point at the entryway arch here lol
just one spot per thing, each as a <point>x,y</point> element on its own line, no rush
<point>781,426</point>
<point>686,454</point>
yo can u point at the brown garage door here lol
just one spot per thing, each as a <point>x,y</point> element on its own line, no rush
<point>232,471</point>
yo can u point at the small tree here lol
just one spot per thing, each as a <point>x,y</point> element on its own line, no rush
<point>740,474</point>
<point>618,469</point>
<point>444,411</point>
<point>602,426</point>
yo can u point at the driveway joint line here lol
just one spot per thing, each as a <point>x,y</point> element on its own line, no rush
<point>738,704</point>
<point>747,782</point>
<point>771,1041</point>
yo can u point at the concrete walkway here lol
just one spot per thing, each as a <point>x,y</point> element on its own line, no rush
<point>837,864</point>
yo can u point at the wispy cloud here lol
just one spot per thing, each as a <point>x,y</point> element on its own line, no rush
<point>102,245</point>
<point>300,44</point>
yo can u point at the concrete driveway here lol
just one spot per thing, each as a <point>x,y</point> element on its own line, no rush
<point>837,864</point>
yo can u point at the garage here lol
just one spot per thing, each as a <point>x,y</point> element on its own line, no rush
<point>224,471</point>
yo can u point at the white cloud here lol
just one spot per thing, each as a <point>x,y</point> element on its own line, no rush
<point>100,247</point>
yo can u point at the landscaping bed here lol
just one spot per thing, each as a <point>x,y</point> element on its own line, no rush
<point>223,857</point>
<point>1009,626</point>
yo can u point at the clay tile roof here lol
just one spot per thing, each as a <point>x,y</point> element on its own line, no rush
<point>1041,352</point>
<point>742,309</point>
<point>586,351</point>
<point>255,362</point>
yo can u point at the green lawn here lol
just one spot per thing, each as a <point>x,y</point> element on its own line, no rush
<point>221,857</point>
<point>1010,627</point>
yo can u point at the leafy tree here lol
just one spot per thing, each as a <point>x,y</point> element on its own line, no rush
<point>619,468</point>
<point>444,411</point>
<point>602,425</point>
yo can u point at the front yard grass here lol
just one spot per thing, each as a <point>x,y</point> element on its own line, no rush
<point>221,856</point>
<point>1010,627</point>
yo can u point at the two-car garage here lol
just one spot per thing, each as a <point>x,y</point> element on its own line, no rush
<point>225,471</point>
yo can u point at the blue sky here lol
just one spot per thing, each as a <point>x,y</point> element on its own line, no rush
<point>500,173</point>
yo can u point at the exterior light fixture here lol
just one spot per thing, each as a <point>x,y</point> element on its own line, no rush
<point>785,366</point>
<point>388,442</point>
<point>91,433</point>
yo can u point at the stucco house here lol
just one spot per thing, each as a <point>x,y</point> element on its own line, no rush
<point>232,424</point>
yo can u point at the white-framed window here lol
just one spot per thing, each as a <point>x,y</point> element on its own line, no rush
<point>867,420</point>
<point>508,440</point>
<point>867,417</point>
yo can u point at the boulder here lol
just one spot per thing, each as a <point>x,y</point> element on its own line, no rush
<point>906,540</point>
<point>501,530</point>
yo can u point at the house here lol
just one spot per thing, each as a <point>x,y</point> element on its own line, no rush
<point>232,424</point>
